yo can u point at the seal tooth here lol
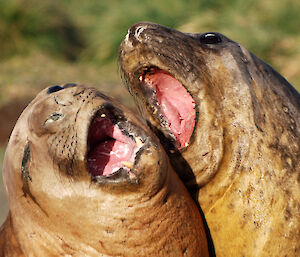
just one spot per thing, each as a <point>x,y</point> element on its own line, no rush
<point>138,141</point>
<point>127,164</point>
<point>138,32</point>
<point>102,115</point>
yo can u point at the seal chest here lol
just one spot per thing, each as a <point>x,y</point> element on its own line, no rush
<point>85,177</point>
<point>231,127</point>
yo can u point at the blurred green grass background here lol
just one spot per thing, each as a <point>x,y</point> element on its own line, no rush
<point>58,41</point>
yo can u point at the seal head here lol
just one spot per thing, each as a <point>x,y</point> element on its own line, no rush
<point>85,177</point>
<point>231,126</point>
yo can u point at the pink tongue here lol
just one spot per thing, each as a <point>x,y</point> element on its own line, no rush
<point>109,148</point>
<point>176,104</point>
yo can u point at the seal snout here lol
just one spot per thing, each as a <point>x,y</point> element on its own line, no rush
<point>134,35</point>
<point>170,107</point>
<point>110,149</point>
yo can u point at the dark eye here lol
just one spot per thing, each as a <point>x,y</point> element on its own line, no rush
<point>54,89</point>
<point>210,38</point>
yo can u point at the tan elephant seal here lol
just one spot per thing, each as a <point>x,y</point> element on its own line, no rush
<point>85,177</point>
<point>234,121</point>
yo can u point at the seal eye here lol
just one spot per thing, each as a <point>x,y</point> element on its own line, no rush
<point>54,89</point>
<point>210,38</point>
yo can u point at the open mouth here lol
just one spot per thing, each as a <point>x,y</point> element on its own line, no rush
<point>110,150</point>
<point>170,102</point>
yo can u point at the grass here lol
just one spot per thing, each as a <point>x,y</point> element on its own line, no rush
<point>27,25</point>
<point>106,23</point>
<point>88,33</point>
<point>270,29</point>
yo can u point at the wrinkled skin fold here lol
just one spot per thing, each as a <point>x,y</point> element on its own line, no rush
<point>241,162</point>
<point>85,177</point>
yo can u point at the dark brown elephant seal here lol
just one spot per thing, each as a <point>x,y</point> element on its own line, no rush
<point>85,177</point>
<point>235,121</point>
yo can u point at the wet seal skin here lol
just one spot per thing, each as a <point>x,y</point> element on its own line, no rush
<point>85,177</point>
<point>233,123</point>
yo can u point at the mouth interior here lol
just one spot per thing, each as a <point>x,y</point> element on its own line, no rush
<point>175,104</point>
<point>109,148</point>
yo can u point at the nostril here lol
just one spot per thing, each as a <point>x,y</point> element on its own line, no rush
<point>135,33</point>
<point>138,31</point>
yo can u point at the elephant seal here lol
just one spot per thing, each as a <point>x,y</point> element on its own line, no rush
<point>85,177</point>
<point>234,121</point>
